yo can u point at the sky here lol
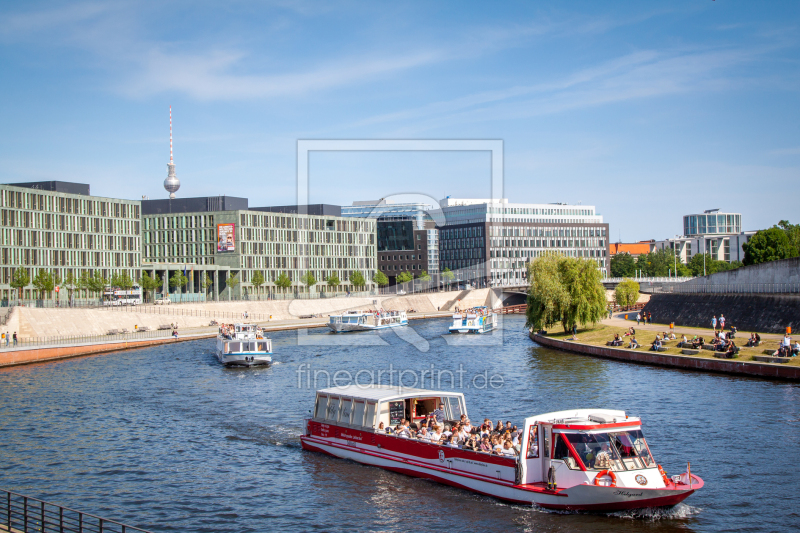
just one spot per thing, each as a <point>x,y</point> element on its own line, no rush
<point>646,110</point>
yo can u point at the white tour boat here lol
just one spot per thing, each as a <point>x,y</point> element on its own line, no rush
<point>585,459</point>
<point>243,345</point>
<point>475,320</point>
<point>367,320</point>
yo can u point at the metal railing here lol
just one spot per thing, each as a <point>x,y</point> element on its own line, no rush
<point>732,288</point>
<point>663,279</point>
<point>24,514</point>
<point>55,340</point>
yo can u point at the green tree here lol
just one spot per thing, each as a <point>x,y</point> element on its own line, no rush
<point>205,283</point>
<point>43,282</point>
<point>82,284</point>
<point>121,281</point>
<point>424,276</point>
<point>150,284</point>
<point>283,281</point>
<point>447,275</point>
<point>70,283</point>
<point>20,279</point>
<point>380,279</point>
<point>308,279</point>
<point>404,277</point>
<point>792,231</point>
<point>258,280</point>
<point>564,289</point>
<point>357,279</point>
<point>768,245</point>
<point>231,281</point>
<point>623,265</point>
<point>333,281</point>
<point>178,281</point>
<point>96,283</point>
<point>627,292</point>
<point>661,263</point>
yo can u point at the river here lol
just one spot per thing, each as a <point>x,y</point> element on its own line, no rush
<point>167,439</point>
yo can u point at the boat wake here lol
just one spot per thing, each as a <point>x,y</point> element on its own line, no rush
<point>653,514</point>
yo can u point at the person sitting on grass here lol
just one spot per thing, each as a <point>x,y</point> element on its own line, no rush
<point>796,349</point>
<point>731,349</point>
<point>656,344</point>
<point>752,341</point>
<point>630,333</point>
<point>634,343</point>
<point>617,340</point>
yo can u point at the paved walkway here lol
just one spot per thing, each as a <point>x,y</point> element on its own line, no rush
<point>618,320</point>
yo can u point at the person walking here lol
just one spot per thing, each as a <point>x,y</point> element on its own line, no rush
<point>721,322</point>
<point>638,318</point>
<point>650,318</point>
<point>714,323</point>
<point>15,338</point>
<point>7,339</point>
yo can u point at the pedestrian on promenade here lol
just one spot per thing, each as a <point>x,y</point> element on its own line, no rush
<point>638,318</point>
<point>610,311</point>
<point>721,322</point>
<point>714,323</point>
<point>650,318</point>
<point>15,338</point>
<point>7,339</point>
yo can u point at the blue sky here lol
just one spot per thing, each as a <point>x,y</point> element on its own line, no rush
<point>647,110</point>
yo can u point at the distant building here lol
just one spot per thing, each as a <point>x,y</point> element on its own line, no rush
<point>58,227</point>
<point>712,232</point>
<point>635,249</point>
<point>491,241</point>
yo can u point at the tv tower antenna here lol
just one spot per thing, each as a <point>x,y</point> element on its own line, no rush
<point>172,183</point>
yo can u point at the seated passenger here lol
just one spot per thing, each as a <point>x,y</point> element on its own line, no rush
<point>422,434</point>
<point>486,445</point>
<point>497,445</point>
<point>381,428</point>
<point>467,426</point>
<point>603,459</point>
<point>499,427</point>
<point>453,442</point>
<point>435,433</point>
<point>508,449</point>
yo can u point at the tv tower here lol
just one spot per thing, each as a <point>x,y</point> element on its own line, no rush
<point>172,183</point>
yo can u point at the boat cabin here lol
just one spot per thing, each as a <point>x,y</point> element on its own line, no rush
<point>243,338</point>
<point>366,407</point>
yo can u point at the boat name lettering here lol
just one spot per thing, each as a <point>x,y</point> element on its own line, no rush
<point>628,494</point>
<point>351,437</point>
<point>469,462</point>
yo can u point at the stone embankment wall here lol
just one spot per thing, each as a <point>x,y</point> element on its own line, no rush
<point>31,322</point>
<point>765,313</point>
<point>785,271</point>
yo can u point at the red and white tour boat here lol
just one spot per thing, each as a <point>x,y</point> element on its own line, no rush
<point>584,459</point>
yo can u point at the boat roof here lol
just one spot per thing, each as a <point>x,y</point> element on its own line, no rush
<point>384,392</point>
<point>586,418</point>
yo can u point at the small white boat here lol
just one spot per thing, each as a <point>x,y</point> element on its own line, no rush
<point>475,320</point>
<point>578,460</point>
<point>243,345</point>
<point>366,321</point>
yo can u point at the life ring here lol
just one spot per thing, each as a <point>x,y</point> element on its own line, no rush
<point>663,475</point>
<point>608,473</point>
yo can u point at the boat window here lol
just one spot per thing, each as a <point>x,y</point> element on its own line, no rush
<point>633,449</point>
<point>547,432</point>
<point>333,408</point>
<point>533,442</point>
<point>596,451</point>
<point>358,413</point>
<point>455,408</point>
<point>262,347</point>
<point>347,407</point>
<point>235,346</point>
<point>561,451</point>
<point>251,346</point>
<point>322,404</point>
<point>369,420</point>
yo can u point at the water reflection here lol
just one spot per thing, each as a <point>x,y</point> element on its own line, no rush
<point>166,438</point>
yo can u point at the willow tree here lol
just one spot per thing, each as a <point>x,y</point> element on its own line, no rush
<point>566,290</point>
<point>626,292</point>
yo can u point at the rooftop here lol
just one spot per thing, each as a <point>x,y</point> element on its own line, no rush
<point>68,187</point>
<point>383,392</point>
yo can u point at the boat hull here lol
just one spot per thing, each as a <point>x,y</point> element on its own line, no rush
<point>578,498</point>
<point>244,359</point>
<point>339,327</point>
<point>469,329</point>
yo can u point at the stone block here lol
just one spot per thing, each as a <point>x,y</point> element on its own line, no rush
<point>687,351</point>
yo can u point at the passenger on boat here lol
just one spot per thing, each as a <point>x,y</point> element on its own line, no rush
<point>508,449</point>
<point>422,434</point>
<point>438,414</point>
<point>435,433</point>
<point>466,424</point>
<point>485,445</point>
<point>453,442</point>
<point>381,428</point>
<point>499,428</point>
<point>603,459</point>
<point>497,445</point>
<point>472,444</point>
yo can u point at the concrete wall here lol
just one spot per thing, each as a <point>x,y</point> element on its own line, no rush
<point>765,313</point>
<point>34,322</point>
<point>783,271</point>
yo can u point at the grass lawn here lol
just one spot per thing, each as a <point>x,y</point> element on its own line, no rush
<point>600,334</point>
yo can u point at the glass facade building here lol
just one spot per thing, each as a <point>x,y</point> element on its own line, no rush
<point>712,222</point>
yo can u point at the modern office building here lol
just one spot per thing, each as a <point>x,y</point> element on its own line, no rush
<point>416,211</point>
<point>402,247</point>
<point>225,238</point>
<point>718,234</point>
<point>59,227</point>
<point>489,242</point>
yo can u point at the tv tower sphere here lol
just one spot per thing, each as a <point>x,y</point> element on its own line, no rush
<point>172,183</point>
